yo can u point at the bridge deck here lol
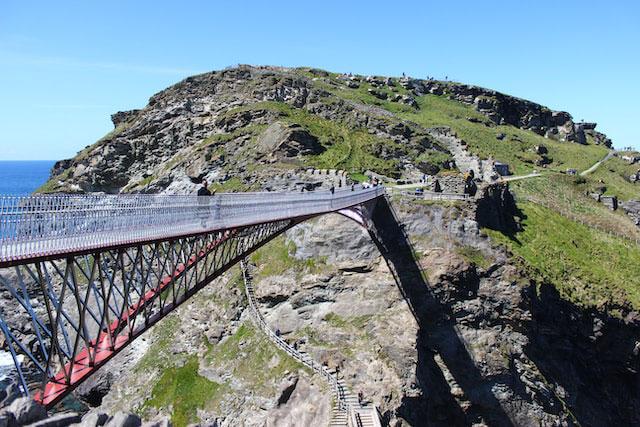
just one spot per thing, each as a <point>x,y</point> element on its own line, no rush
<point>45,226</point>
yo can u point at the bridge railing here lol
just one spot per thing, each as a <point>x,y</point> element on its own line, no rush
<point>44,225</point>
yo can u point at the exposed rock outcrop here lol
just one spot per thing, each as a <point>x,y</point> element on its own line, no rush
<point>208,125</point>
<point>504,109</point>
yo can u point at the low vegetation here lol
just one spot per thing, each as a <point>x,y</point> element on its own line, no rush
<point>568,195</point>
<point>614,174</point>
<point>277,257</point>
<point>517,147</point>
<point>347,148</point>
<point>252,358</point>
<point>159,355</point>
<point>589,267</point>
<point>474,256</point>
<point>357,322</point>
<point>232,185</point>
<point>185,391</point>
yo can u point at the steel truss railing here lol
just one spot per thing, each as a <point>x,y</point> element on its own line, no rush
<point>70,313</point>
<point>50,225</point>
<point>83,310</point>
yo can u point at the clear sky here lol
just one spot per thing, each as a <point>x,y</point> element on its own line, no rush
<point>65,66</point>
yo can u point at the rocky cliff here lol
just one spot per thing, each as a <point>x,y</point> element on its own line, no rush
<point>475,340</point>
<point>243,125</point>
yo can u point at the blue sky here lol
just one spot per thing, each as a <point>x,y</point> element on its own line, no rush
<point>65,66</point>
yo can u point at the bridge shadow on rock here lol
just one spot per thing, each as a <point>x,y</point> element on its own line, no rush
<point>437,343</point>
<point>594,357</point>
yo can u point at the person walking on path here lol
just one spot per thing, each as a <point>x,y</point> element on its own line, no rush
<point>332,189</point>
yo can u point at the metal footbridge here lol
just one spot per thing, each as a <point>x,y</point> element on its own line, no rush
<point>82,276</point>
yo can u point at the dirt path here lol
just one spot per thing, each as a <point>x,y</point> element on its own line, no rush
<point>595,166</point>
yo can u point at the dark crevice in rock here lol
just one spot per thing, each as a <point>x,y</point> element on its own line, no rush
<point>287,392</point>
<point>592,358</point>
<point>497,210</point>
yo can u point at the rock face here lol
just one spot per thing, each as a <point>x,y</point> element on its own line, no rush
<point>217,125</point>
<point>288,141</point>
<point>632,208</point>
<point>457,335</point>
<point>26,411</point>
<point>504,109</point>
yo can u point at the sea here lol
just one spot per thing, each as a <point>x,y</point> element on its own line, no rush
<point>20,178</point>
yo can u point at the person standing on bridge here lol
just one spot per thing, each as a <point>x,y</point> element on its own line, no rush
<point>204,190</point>
<point>203,201</point>
<point>332,189</point>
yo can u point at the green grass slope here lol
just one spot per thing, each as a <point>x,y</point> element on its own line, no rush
<point>438,110</point>
<point>589,267</point>
<point>614,175</point>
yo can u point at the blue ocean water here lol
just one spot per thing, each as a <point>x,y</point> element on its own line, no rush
<point>20,178</point>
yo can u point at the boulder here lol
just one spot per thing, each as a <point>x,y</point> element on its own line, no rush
<point>162,422</point>
<point>610,201</point>
<point>94,419</point>
<point>122,117</point>
<point>408,100</point>
<point>9,394</point>
<point>120,419</point>
<point>58,420</point>
<point>632,208</point>
<point>7,419</point>
<point>377,94</point>
<point>27,411</point>
<point>540,149</point>
<point>543,161</point>
<point>60,166</point>
<point>285,140</point>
